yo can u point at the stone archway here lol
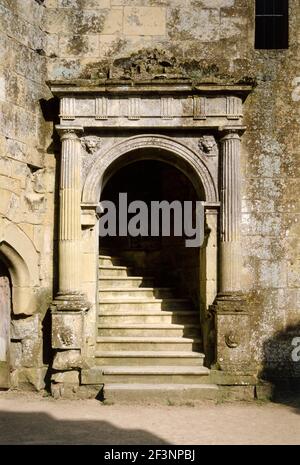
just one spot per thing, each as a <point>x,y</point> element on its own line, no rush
<point>121,120</point>
<point>161,148</point>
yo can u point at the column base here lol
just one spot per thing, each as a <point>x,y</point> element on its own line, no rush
<point>232,334</point>
<point>74,302</point>
<point>68,314</point>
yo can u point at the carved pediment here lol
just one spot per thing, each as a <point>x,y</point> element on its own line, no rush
<point>147,64</point>
<point>142,65</point>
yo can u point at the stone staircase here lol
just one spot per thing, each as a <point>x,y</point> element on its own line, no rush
<point>148,343</point>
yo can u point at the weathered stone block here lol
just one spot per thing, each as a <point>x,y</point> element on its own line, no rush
<point>34,377</point>
<point>294,274</point>
<point>56,21</point>
<point>264,391</point>
<point>5,167</point>
<point>79,45</point>
<point>232,27</point>
<point>232,339</point>
<point>113,22</point>
<point>51,3</point>
<point>32,352</point>
<point>144,21</point>
<point>67,330</point>
<point>14,379</point>
<point>83,4</point>
<point>217,3</point>
<point>89,264</point>
<point>15,354</point>
<point>70,377</point>
<point>5,201</point>
<point>16,149</point>
<point>272,274</point>
<point>62,69</point>
<point>52,45</point>
<point>10,184</point>
<point>194,23</point>
<point>2,88</point>
<point>27,327</point>
<point>65,390</point>
<point>67,360</point>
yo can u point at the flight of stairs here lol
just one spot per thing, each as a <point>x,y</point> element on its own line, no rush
<point>148,342</point>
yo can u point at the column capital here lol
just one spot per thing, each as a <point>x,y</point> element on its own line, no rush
<point>69,132</point>
<point>231,132</point>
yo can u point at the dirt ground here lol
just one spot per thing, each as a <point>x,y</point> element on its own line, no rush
<point>33,419</point>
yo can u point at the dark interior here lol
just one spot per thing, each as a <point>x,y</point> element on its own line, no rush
<point>165,258</point>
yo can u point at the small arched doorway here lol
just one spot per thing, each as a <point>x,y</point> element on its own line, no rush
<point>5,312</point>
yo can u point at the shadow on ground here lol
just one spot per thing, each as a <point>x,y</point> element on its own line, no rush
<point>41,428</point>
<point>282,366</point>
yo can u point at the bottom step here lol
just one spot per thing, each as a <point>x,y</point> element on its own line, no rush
<point>167,394</point>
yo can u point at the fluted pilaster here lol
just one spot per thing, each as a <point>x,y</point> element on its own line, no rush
<point>230,247</point>
<point>70,213</point>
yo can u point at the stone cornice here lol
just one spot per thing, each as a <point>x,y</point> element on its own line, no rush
<point>169,86</point>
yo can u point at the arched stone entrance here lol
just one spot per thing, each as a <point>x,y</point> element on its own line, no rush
<point>5,312</point>
<point>160,272</point>
<point>198,131</point>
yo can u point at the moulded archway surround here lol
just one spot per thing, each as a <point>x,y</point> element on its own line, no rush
<point>191,164</point>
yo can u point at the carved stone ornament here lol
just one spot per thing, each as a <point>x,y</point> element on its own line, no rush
<point>149,63</point>
<point>208,145</point>
<point>91,144</point>
<point>156,63</point>
<point>231,340</point>
<point>34,191</point>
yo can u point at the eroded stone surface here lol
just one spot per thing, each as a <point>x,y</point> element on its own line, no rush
<point>67,359</point>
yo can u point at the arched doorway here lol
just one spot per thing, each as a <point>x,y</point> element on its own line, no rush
<point>5,311</point>
<point>150,303</point>
<point>166,258</point>
<point>153,293</point>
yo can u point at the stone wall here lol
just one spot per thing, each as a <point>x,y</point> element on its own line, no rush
<point>87,36</point>
<point>26,183</point>
<point>213,41</point>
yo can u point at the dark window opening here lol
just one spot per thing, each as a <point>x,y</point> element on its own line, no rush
<point>271,24</point>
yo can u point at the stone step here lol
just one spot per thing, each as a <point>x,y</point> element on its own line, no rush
<point>131,304</point>
<point>146,375</point>
<point>114,271</point>
<point>109,282</point>
<point>141,293</point>
<point>107,260</point>
<point>150,316</point>
<point>149,330</point>
<point>147,343</point>
<point>166,394</point>
<point>149,358</point>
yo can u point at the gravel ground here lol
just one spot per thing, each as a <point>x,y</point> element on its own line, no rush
<point>33,419</point>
